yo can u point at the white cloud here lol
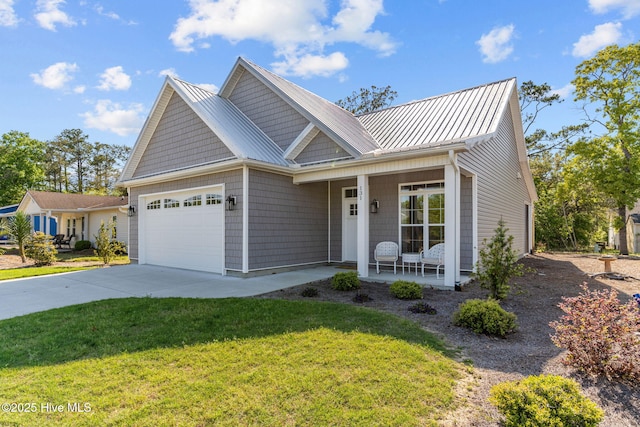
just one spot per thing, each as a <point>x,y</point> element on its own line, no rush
<point>8,17</point>
<point>602,35</point>
<point>79,89</point>
<point>168,72</point>
<point>208,86</point>
<point>112,15</point>
<point>114,78</point>
<point>629,8</point>
<point>300,31</point>
<point>49,14</point>
<point>55,76</point>
<point>564,91</point>
<point>309,65</point>
<point>496,46</point>
<point>112,117</point>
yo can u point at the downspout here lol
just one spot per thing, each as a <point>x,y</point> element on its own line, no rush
<point>453,159</point>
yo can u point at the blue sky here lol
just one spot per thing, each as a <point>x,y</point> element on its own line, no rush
<point>98,66</point>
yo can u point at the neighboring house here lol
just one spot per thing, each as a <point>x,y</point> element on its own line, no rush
<point>75,215</point>
<point>633,231</point>
<point>6,212</point>
<point>266,175</point>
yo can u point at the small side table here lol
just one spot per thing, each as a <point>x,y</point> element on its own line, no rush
<point>409,258</point>
<point>607,262</point>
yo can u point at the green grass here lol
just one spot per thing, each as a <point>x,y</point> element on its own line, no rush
<point>146,361</point>
<point>19,273</point>
<point>83,256</point>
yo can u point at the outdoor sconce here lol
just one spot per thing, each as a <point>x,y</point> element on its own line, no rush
<point>373,208</point>
<point>231,202</point>
<point>131,211</point>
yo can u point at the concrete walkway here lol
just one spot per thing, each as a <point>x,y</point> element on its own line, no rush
<point>24,296</point>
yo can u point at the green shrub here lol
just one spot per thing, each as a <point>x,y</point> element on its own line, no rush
<point>544,400</point>
<point>106,248</point>
<point>601,334</point>
<point>82,245</point>
<point>485,317</point>
<point>498,263</point>
<point>403,289</point>
<point>39,248</point>
<point>345,281</point>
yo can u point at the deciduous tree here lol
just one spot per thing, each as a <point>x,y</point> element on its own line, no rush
<point>21,160</point>
<point>368,100</point>
<point>610,85</point>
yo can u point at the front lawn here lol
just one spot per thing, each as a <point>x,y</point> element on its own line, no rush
<point>145,361</point>
<point>65,262</point>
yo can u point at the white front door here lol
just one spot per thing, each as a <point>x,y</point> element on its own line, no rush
<point>349,224</point>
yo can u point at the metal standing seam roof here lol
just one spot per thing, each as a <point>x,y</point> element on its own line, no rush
<point>235,129</point>
<point>326,115</point>
<point>441,119</point>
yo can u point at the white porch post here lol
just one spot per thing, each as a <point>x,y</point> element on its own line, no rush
<point>451,225</point>
<point>363,225</point>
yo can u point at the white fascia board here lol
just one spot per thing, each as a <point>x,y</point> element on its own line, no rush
<point>301,142</point>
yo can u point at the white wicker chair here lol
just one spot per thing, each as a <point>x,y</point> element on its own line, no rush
<point>386,252</point>
<point>433,256</point>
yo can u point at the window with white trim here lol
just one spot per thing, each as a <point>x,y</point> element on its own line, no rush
<point>171,203</point>
<point>214,199</point>
<point>421,215</point>
<point>193,201</point>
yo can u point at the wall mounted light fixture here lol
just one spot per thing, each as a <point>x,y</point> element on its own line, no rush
<point>131,211</point>
<point>374,206</point>
<point>231,202</point>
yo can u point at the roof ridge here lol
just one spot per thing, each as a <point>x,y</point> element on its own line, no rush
<point>442,95</point>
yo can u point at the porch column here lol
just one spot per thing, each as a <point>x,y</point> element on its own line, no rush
<point>451,225</point>
<point>363,225</point>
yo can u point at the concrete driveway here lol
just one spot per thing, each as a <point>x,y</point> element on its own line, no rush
<point>24,296</point>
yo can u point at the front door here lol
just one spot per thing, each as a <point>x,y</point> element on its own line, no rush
<point>349,224</point>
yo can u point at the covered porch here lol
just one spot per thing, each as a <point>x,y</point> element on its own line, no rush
<point>415,203</point>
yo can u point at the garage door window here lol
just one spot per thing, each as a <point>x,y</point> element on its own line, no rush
<point>193,201</point>
<point>153,205</point>
<point>214,199</point>
<point>171,203</point>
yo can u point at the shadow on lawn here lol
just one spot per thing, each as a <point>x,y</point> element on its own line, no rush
<point>117,326</point>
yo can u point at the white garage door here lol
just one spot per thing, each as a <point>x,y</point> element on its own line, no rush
<point>183,229</point>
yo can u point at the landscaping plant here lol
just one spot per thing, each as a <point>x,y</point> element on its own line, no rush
<point>601,335</point>
<point>544,400</point>
<point>106,247</point>
<point>497,263</point>
<point>403,289</point>
<point>81,245</point>
<point>345,281</point>
<point>485,317</point>
<point>20,230</point>
<point>422,307</point>
<point>40,249</point>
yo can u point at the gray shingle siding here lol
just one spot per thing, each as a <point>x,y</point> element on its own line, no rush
<point>288,223</point>
<point>500,193</point>
<point>181,139</point>
<point>466,223</point>
<point>320,149</point>
<point>233,219</point>
<point>269,112</point>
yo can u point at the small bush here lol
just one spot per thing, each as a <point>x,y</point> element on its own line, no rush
<point>40,248</point>
<point>485,317</point>
<point>309,292</point>
<point>601,335</point>
<point>403,289</point>
<point>422,307</point>
<point>345,281</point>
<point>81,245</point>
<point>544,400</point>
